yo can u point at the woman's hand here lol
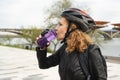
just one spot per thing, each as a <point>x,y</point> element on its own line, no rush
<point>41,48</point>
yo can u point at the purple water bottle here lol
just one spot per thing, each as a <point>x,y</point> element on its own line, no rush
<point>48,36</point>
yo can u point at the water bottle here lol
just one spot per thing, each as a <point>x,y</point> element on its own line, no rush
<point>47,36</point>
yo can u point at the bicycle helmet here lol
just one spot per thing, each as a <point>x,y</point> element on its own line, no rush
<point>83,21</point>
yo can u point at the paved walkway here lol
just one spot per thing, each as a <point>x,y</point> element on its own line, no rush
<point>19,64</point>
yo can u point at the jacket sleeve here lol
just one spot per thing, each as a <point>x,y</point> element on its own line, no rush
<point>97,64</point>
<point>45,62</point>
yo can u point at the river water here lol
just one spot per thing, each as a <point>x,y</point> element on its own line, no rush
<point>111,47</point>
<point>108,48</point>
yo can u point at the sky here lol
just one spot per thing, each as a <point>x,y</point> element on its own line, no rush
<point>17,13</point>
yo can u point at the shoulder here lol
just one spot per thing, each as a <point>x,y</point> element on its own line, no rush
<point>94,51</point>
<point>92,47</point>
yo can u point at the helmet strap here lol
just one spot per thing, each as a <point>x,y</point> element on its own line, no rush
<point>68,32</point>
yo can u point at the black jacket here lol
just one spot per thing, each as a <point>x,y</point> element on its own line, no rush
<point>69,67</point>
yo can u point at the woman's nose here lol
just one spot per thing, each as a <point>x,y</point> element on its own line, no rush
<point>56,28</point>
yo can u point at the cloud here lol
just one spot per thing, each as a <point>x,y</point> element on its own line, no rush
<point>16,13</point>
<point>22,12</point>
<point>105,9</point>
<point>102,9</point>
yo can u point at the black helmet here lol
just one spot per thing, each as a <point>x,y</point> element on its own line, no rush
<point>84,22</point>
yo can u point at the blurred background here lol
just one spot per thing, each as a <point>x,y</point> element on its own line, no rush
<point>21,21</point>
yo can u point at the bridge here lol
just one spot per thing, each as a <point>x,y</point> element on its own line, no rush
<point>108,34</point>
<point>19,32</point>
<point>15,31</point>
<point>99,24</point>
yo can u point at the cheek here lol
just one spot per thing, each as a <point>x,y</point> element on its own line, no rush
<point>61,33</point>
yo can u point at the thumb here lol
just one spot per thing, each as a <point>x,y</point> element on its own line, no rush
<point>48,43</point>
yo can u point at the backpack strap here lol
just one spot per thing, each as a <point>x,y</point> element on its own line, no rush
<point>84,66</point>
<point>92,47</point>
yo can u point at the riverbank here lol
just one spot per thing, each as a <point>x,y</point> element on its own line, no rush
<point>112,59</point>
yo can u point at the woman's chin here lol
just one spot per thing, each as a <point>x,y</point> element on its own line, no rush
<point>59,39</point>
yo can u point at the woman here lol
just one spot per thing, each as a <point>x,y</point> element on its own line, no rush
<point>72,29</point>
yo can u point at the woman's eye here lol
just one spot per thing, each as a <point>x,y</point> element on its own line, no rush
<point>60,24</point>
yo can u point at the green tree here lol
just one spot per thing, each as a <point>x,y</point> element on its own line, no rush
<point>55,11</point>
<point>30,34</point>
<point>9,38</point>
<point>2,40</point>
<point>54,14</point>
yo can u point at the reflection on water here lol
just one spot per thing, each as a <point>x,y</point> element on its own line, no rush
<point>111,47</point>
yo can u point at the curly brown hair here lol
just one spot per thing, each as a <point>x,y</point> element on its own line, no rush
<point>77,40</point>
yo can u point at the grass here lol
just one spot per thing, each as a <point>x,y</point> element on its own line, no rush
<point>23,47</point>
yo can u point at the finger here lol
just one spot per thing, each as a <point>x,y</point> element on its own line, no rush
<point>37,38</point>
<point>40,36</point>
<point>48,44</point>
